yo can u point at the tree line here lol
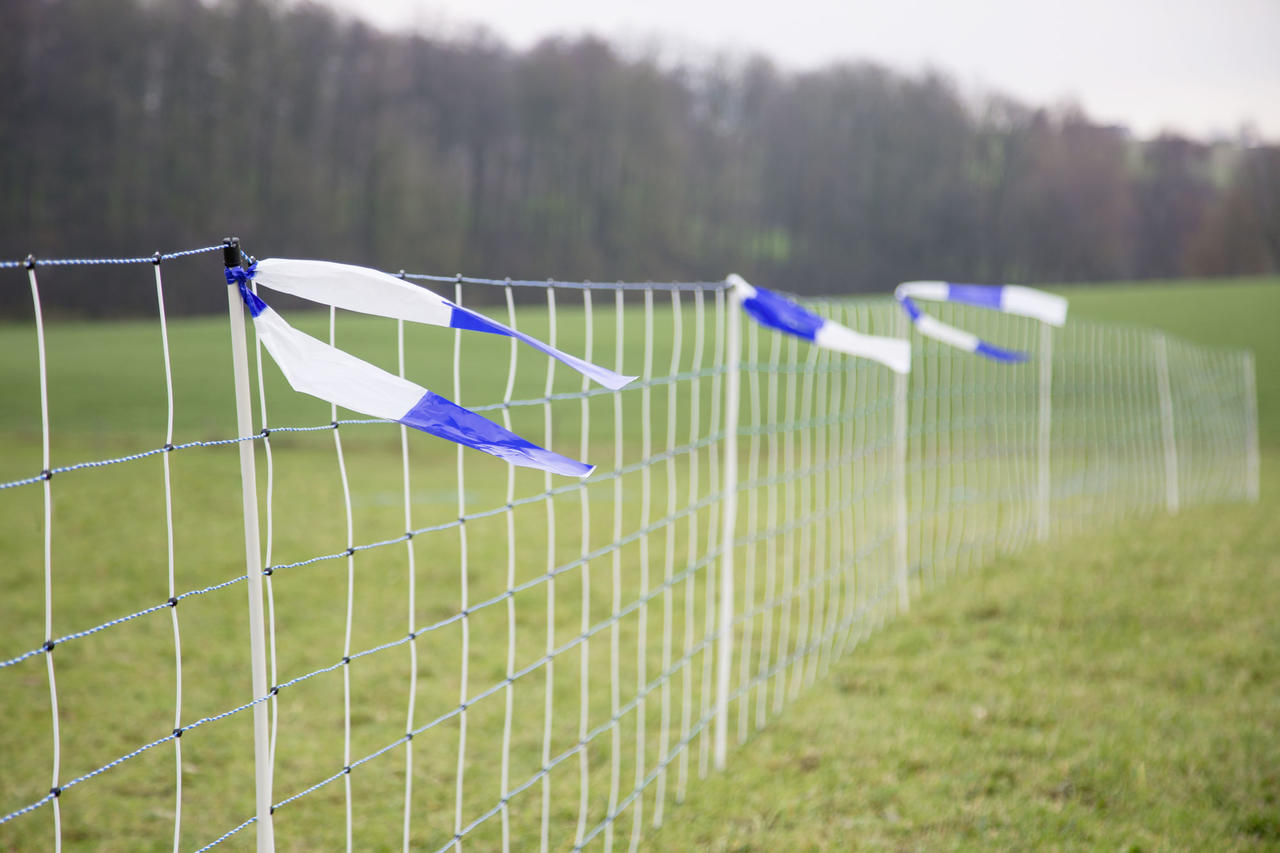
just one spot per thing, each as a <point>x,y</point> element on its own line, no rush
<point>132,125</point>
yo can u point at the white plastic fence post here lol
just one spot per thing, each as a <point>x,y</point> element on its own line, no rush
<point>900,473</point>
<point>1046,430</point>
<point>1253,467</point>
<point>728,519</point>
<point>252,556</point>
<point>47,477</point>
<point>1166,422</point>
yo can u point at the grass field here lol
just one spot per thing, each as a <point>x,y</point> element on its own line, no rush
<point>1119,691</point>
<point>117,688</point>
<point>1038,701</point>
<point>1231,312</point>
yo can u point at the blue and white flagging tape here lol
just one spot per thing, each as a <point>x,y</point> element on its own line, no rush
<point>369,291</point>
<point>777,312</point>
<point>316,368</point>
<point>1008,298</point>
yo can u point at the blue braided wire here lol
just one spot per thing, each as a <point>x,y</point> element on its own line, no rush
<point>659,457</point>
<point>574,285</point>
<point>132,457</point>
<point>78,635</point>
<point>134,754</point>
<point>224,836</point>
<point>222,442</point>
<point>88,262</point>
<point>652,685</point>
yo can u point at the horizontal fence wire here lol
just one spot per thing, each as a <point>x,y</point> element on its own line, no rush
<point>563,661</point>
<point>611,286</point>
<point>134,457</point>
<point>158,257</point>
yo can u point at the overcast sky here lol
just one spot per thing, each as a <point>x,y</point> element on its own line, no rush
<point>1196,66</point>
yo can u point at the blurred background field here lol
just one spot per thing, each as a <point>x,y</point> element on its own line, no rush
<point>309,133</point>
<point>1227,312</point>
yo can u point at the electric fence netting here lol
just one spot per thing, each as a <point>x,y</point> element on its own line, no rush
<point>446,651</point>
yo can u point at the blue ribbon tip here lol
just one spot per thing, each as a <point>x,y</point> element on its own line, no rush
<point>777,312</point>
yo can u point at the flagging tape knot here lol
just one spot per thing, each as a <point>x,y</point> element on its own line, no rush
<point>241,275</point>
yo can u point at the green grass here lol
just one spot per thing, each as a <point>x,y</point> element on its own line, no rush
<point>1114,692</point>
<point>116,688</point>
<point>1118,691</point>
<point>1155,622</point>
<point>1238,313</point>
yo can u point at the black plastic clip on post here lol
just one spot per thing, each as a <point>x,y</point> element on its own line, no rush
<point>231,256</point>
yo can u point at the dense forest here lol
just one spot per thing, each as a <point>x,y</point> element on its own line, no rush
<point>133,125</point>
